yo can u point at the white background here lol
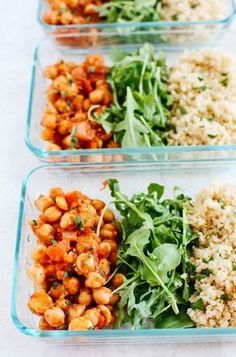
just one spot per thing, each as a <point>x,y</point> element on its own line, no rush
<point>18,37</point>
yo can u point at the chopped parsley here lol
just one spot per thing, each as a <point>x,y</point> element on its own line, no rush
<point>183,111</point>
<point>225,81</point>
<point>212,136</point>
<point>79,222</point>
<point>74,139</point>
<point>198,305</point>
<point>34,222</point>
<point>55,284</point>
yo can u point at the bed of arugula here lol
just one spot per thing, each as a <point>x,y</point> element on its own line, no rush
<point>142,102</point>
<point>130,10</point>
<point>154,258</point>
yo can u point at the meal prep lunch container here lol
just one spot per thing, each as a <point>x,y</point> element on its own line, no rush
<point>47,53</point>
<point>171,32</point>
<point>191,177</point>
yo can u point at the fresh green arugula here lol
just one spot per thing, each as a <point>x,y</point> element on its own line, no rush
<point>154,258</point>
<point>130,10</point>
<point>141,105</point>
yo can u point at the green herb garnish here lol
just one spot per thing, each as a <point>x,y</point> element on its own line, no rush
<point>79,222</point>
<point>34,222</point>
<point>55,284</point>
<point>198,305</point>
<point>74,139</point>
<point>225,81</point>
<point>212,136</point>
<point>183,111</point>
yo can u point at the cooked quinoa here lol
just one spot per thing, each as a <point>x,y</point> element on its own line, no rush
<point>192,10</point>
<point>213,218</point>
<point>203,84</point>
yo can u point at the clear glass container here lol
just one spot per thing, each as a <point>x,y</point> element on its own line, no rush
<point>47,53</point>
<point>171,32</point>
<point>191,177</point>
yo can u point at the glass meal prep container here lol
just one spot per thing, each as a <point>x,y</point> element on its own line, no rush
<point>191,177</point>
<point>171,32</point>
<point>47,53</point>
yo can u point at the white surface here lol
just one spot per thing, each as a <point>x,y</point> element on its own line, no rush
<point>19,35</point>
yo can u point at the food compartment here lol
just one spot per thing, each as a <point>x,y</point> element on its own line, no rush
<point>89,180</point>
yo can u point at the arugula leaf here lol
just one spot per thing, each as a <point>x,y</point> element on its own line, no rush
<point>168,256</point>
<point>170,320</point>
<point>158,189</point>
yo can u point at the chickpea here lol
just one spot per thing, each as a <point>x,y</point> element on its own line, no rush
<point>106,313</point>
<point>90,9</point>
<point>72,3</point>
<point>45,233</point>
<point>112,244</point>
<point>117,280</point>
<point>67,142</point>
<point>104,266</point>
<point>87,242</point>
<point>92,315</point>
<point>53,147</point>
<point>113,258</point>
<point>85,297</point>
<point>85,263</point>
<point>108,216</point>
<point>86,104</point>
<point>43,202</point>
<point>66,18</point>
<point>114,299</point>
<point>57,291</point>
<point>67,220</point>
<point>39,302</point>
<point>102,295</point>
<point>39,254</point>
<point>50,109</point>
<point>64,127</point>
<point>55,191</point>
<point>94,60</point>
<point>61,105</point>
<point>50,121</point>
<point>109,231</point>
<point>78,103</point>
<point>61,203</point>
<point>51,72</point>
<point>70,257</point>
<point>96,96</point>
<point>52,214</point>
<point>55,316</point>
<point>79,117</point>
<point>72,285</point>
<point>75,310</point>
<point>94,280</point>
<point>98,204</point>
<point>60,83</point>
<point>89,215</point>
<point>80,324</point>
<point>104,250</point>
<point>37,274</point>
<point>43,325</point>
<point>63,303</point>
<point>48,135</point>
